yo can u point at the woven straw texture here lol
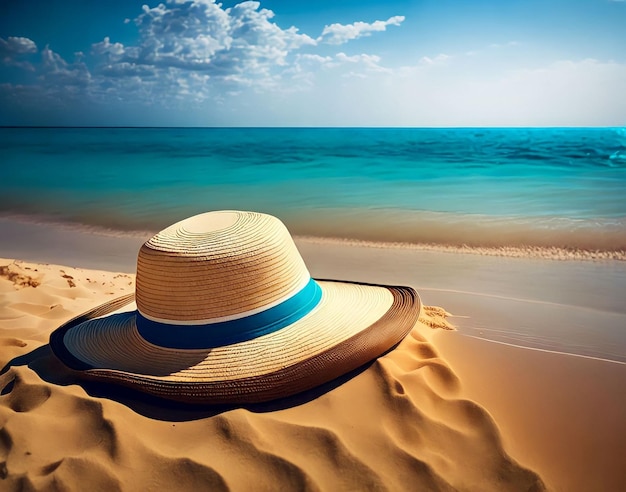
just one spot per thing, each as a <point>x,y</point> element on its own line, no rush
<point>347,354</point>
<point>208,269</point>
<point>226,266</point>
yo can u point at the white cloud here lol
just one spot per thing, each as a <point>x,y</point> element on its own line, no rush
<point>239,45</point>
<point>185,35</point>
<point>191,51</point>
<point>16,46</point>
<point>357,58</point>
<point>55,71</point>
<point>322,60</point>
<point>13,50</point>
<point>370,62</point>
<point>111,50</point>
<point>309,65</point>
<point>441,58</point>
<point>59,84</point>
<point>201,35</point>
<point>342,33</point>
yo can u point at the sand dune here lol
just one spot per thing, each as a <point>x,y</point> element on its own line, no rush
<point>398,424</point>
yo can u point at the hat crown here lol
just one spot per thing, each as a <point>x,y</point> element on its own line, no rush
<point>217,266</point>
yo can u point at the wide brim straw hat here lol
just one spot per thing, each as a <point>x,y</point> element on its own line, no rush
<point>226,312</point>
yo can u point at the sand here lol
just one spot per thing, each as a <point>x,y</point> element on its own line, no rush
<point>443,411</point>
<point>401,423</point>
<point>563,416</point>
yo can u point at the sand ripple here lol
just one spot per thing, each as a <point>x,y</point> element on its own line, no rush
<point>397,425</point>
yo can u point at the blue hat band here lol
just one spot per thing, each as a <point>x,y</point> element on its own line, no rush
<point>233,331</point>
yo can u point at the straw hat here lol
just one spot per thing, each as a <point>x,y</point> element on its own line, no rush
<point>227,312</point>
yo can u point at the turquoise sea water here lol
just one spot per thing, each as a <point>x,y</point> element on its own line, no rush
<point>561,188</point>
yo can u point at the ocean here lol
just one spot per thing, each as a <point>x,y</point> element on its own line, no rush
<point>542,194</point>
<point>528,189</point>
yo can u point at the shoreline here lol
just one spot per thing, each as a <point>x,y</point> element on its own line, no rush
<point>11,222</point>
<point>475,287</point>
<point>522,252</point>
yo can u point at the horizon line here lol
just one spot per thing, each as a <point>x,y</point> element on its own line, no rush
<point>312,127</point>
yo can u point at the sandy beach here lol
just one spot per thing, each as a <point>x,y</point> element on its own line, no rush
<point>312,246</point>
<point>442,411</point>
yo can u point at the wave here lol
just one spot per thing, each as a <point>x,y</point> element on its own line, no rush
<point>515,237</point>
<point>553,253</point>
<point>549,237</point>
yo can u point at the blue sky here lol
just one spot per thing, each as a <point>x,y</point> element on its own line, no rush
<point>315,63</point>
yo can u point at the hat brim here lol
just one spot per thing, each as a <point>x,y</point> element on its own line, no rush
<point>353,324</point>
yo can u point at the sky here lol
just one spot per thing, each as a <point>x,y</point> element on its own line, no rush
<point>415,63</point>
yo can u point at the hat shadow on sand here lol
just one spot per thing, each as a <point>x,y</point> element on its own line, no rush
<point>44,363</point>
